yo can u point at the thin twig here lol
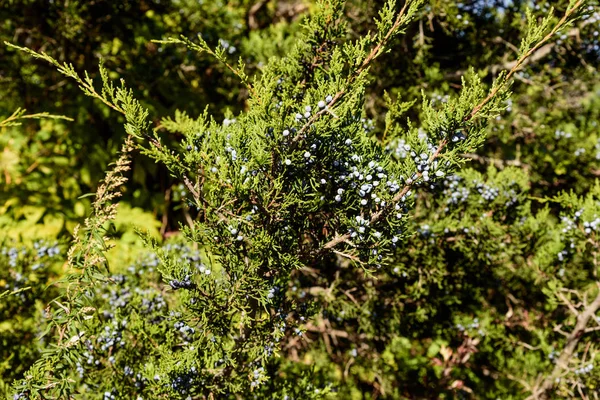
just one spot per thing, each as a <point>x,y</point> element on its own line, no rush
<point>383,211</point>
<point>573,339</point>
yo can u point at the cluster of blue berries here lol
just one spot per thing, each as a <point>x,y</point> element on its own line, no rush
<point>117,298</point>
<point>229,121</point>
<point>306,115</point>
<point>425,168</point>
<point>456,191</point>
<point>473,325</point>
<point>44,249</point>
<point>227,46</point>
<point>192,262</point>
<point>185,382</point>
<point>559,134</point>
<point>22,261</point>
<point>367,125</point>
<point>399,148</point>
<point>590,44</point>
<point>570,226</point>
<point>109,395</point>
<point>235,233</point>
<point>273,292</point>
<point>300,118</point>
<point>563,254</point>
<point>186,331</point>
<point>488,193</point>
<point>584,370</point>
<point>485,8</point>
<point>185,283</point>
<point>13,255</point>
<point>438,99</point>
<point>458,136</point>
<point>258,376</point>
<point>425,231</point>
<point>591,226</point>
<point>152,301</point>
<point>425,165</point>
<point>364,180</point>
<point>111,337</point>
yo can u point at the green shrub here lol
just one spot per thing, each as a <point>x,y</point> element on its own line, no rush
<point>326,254</point>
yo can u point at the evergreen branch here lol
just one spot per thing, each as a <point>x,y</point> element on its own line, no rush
<point>520,60</point>
<point>232,294</point>
<point>86,255</point>
<point>119,98</point>
<point>85,84</point>
<point>537,55</point>
<point>218,55</point>
<point>20,114</point>
<point>402,19</point>
<point>7,293</point>
<point>444,142</point>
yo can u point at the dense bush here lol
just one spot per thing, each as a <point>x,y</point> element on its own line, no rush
<point>400,202</point>
<point>47,166</point>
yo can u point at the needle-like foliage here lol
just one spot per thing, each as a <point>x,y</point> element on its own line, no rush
<point>306,222</point>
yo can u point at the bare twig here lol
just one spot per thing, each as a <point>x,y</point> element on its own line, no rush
<point>542,393</point>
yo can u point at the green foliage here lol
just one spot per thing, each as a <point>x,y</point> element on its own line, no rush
<point>42,160</point>
<point>332,241</point>
<point>26,270</point>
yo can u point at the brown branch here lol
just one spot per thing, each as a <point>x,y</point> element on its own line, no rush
<point>536,56</point>
<point>567,303</point>
<point>370,57</point>
<point>383,211</point>
<point>524,57</point>
<point>542,393</point>
<point>252,22</point>
<point>165,217</point>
